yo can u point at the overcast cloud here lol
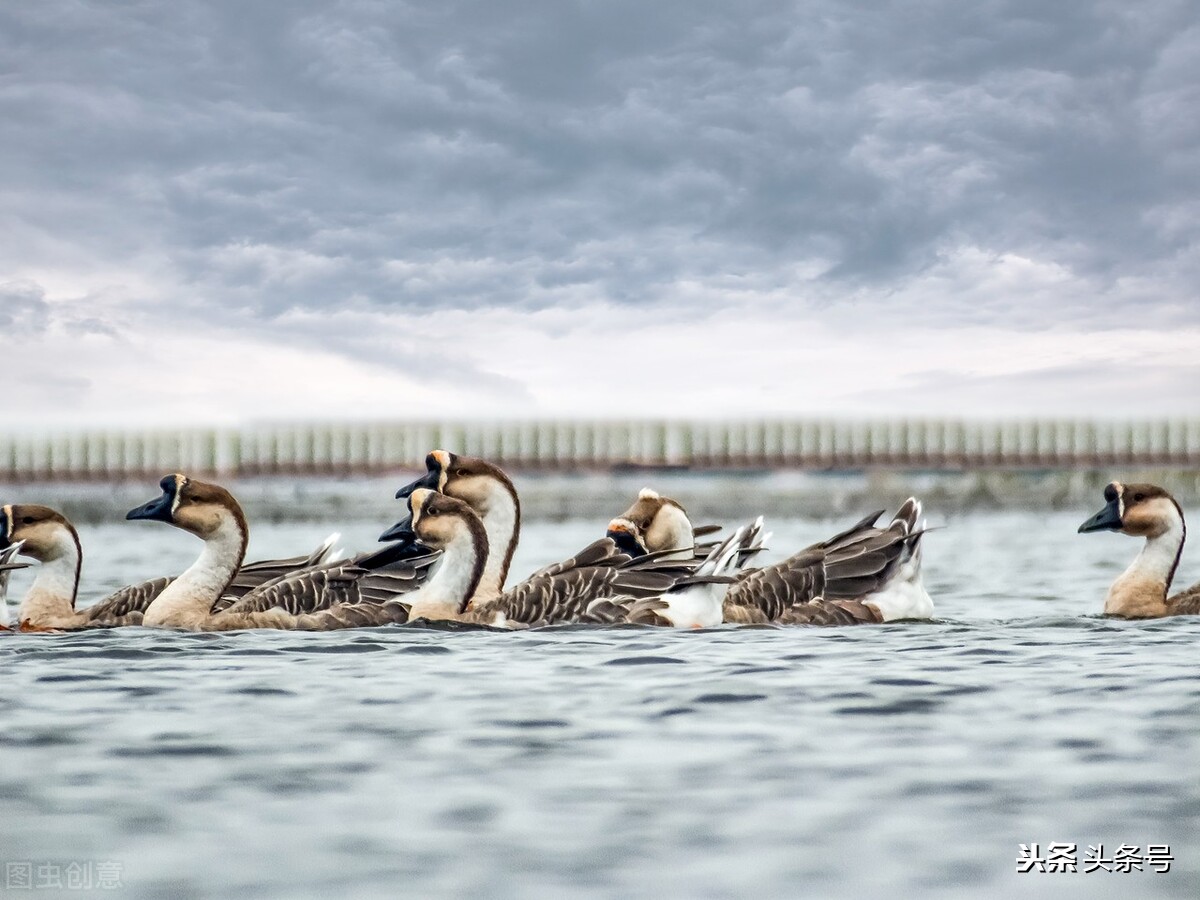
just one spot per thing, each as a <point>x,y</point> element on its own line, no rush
<point>226,211</point>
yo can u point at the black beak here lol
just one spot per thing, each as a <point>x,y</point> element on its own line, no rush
<point>406,547</point>
<point>627,543</point>
<point>401,531</point>
<point>158,509</point>
<point>9,566</point>
<point>1108,519</point>
<point>429,481</point>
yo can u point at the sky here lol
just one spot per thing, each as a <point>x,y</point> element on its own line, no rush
<point>222,212</point>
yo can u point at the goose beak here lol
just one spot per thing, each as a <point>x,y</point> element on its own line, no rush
<point>158,509</point>
<point>429,481</point>
<point>9,566</point>
<point>401,531</point>
<point>1108,519</point>
<point>626,539</point>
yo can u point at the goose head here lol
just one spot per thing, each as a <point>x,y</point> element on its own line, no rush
<point>42,533</point>
<point>468,478</point>
<point>435,521</point>
<point>490,493</point>
<point>627,536</point>
<point>1139,510</point>
<point>205,510</point>
<point>660,523</point>
<point>439,522</point>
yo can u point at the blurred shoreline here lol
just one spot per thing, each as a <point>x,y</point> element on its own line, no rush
<point>708,495</point>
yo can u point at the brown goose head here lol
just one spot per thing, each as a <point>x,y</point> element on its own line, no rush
<point>44,533</point>
<point>197,507</point>
<point>1140,510</point>
<point>467,478</point>
<point>660,522</point>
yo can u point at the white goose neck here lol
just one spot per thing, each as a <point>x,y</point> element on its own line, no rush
<point>187,601</point>
<point>502,521</point>
<point>1141,588</point>
<point>444,596</point>
<point>52,594</point>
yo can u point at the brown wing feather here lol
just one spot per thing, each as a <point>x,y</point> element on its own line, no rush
<point>565,591</point>
<point>598,553</point>
<point>126,606</point>
<point>763,595</point>
<point>846,567</point>
<point>322,587</point>
<point>1186,603</point>
<point>256,574</point>
<point>336,617</point>
<point>830,612</point>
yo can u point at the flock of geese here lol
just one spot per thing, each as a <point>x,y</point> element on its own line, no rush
<point>449,559</point>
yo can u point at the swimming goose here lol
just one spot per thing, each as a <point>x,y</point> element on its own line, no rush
<point>1141,591</point>
<point>865,574</point>
<point>49,537</point>
<point>559,593</point>
<point>319,598</point>
<point>491,494</point>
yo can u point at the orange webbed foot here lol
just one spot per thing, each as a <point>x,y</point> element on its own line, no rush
<point>27,627</point>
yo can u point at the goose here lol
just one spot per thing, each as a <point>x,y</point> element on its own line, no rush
<point>46,535</point>
<point>862,575</point>
<point>564,592</point>
<point>491,494</point>
<point>326,597</point>
<point>1141,591</point>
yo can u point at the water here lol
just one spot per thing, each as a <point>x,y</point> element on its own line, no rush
<point>907,760</point>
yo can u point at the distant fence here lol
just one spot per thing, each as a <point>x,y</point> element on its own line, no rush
<point>348,449</point>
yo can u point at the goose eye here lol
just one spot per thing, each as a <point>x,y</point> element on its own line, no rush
<point>27,520</point>
<point>1138,498</point>
<point>460,472</point>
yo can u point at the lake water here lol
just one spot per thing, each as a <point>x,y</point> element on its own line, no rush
<point>907,760</point>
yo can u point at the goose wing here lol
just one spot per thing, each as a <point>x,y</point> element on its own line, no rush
<point>763,595</point>
<point>1186,603</point>
<point>830,612</point>
<point>255,574</point>
<point>603,552</point>
<point>846,567</point>
<point>324,587</point>
<point>565,591</point>
<point>126,606</point>
<point>337,616</point>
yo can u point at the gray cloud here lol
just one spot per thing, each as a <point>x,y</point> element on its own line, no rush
<point>23,308</point>
<point>406,159</point>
